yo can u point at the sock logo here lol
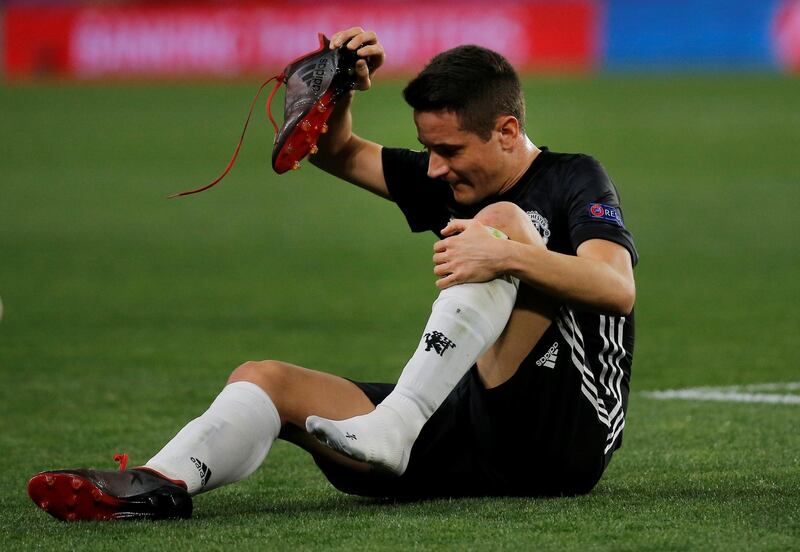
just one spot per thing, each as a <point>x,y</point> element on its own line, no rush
<point>205,473</point>
<point>438,342</point>
<point>351,436</point>
<point>548,360</point>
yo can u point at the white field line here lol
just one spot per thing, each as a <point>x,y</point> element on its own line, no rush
<point>783,386</point>
<point>734,393</point>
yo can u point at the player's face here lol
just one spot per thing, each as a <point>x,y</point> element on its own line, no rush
<point>472,166</point>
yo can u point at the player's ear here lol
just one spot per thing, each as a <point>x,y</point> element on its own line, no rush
<point>509,130</point>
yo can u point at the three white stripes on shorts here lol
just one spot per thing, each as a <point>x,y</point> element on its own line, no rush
<point>611,331</point>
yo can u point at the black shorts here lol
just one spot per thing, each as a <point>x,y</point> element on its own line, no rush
<point>534,435</point>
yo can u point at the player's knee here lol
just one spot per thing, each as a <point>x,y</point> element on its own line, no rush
<point>512,221</point>
<point>270,375</point>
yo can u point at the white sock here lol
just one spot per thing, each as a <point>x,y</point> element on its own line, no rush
<point>465,321</point>
<point>227,443</point>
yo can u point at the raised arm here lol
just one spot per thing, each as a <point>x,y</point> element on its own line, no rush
<point>342,153</point>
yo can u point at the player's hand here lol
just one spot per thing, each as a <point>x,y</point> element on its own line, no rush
<point>469,253</point>
<point>366,45</point>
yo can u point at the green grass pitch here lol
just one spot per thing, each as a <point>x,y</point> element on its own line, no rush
<point>125,311</point>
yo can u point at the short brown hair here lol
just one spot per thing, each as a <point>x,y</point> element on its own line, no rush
<point>475,83</point>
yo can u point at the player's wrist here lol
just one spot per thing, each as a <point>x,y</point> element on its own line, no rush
<point>519,258</point>
<point>507,260</point>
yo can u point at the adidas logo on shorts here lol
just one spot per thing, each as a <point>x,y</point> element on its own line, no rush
<point>548,360</point>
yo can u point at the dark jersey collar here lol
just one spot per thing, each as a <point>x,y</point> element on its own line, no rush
<point>527,178</point>
<point>516,191</point>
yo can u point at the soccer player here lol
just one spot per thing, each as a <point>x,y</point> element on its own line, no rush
<point>519,384</point>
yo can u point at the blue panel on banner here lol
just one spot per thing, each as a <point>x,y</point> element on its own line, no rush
<point>699,33</point>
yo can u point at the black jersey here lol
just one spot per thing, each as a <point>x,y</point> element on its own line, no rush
<point>570,199</point>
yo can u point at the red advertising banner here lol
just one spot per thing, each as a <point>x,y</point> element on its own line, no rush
<point>184,41</point>
<point>786,35</point>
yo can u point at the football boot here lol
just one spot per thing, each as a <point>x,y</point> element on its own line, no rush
<point>93,495</point>
<point>314,83</point>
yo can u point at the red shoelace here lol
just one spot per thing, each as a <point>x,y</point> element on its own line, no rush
<point>279,79</point>
<point>122,458</point>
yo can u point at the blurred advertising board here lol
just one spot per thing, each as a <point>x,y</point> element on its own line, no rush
<point>786,35</point>
<point>697,34</point>
<point>151,40</point>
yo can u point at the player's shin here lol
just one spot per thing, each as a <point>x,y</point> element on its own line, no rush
<point>224,445</point>
<point>465,321</point>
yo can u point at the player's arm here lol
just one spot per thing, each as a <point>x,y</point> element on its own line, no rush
<point>600,277</point>
<point>342,153</point>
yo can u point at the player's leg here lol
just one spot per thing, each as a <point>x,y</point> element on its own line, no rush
<point>300,392</point>
<point>232,438</point>
<point>533,310</point>
<point>225,444</point>
<point>465,322</point>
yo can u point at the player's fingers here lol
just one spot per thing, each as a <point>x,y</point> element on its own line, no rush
<point>446,282</point>
<point>442,269</point>
<point>370,50</point>
<point>366,37</point>
<point>340,37</point>
<point>454,227</point>
<point>374,54</point>
<point>440,246</point>
<point>362,75</point>
<point>439,258</point>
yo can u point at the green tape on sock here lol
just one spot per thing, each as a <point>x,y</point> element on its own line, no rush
<point>496,233</point>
